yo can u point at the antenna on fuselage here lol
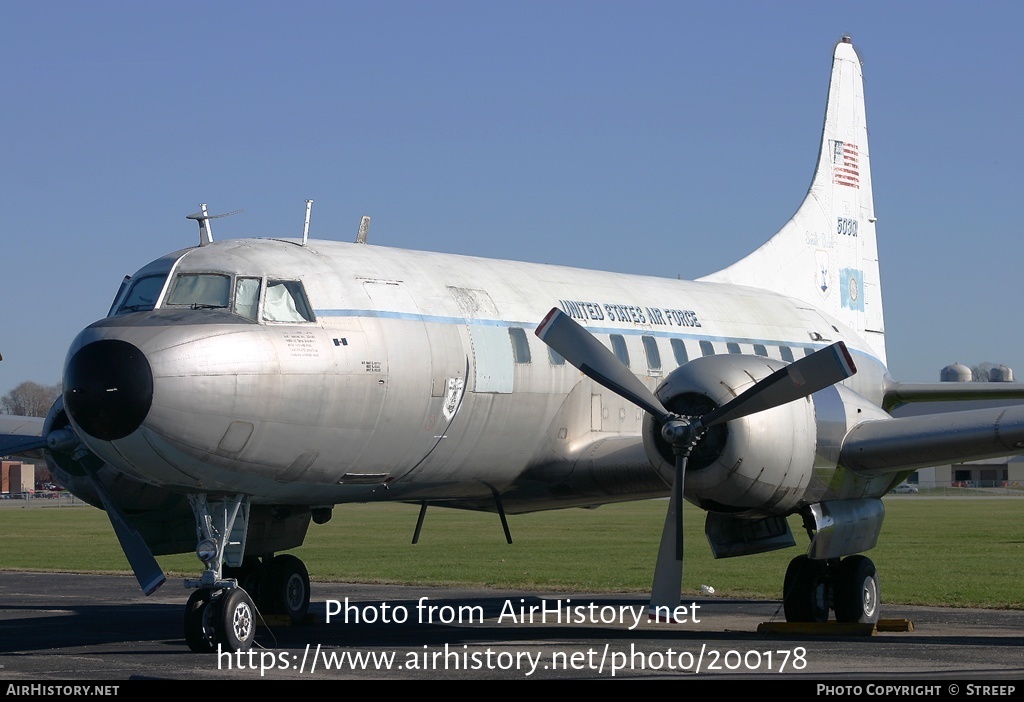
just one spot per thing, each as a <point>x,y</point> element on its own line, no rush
<point>203,217</point>
<point>305,227</point>
<point>364,230</point>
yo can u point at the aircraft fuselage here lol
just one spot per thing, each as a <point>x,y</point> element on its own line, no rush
<point>419,377</point>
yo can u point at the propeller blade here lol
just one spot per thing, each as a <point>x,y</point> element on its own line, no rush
<point>147,570</point>
<point>799,379</point>
<point>677,487</point>
<point>579,347</point>
<point>668,571</point>
<point>667,589</point>
<point>11,444</point>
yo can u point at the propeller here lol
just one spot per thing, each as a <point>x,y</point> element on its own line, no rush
<point>144,565</point>
<point>792,382</point>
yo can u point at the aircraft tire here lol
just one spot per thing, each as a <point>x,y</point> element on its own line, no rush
<point>805,591</point>
<point>858,596</point>
<point>235,620</point>
<point>198,629</point>
<point>290,584</point>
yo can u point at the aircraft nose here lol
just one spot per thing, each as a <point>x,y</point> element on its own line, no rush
<point>108,388</point>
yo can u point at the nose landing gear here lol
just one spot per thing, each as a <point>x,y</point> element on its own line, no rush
<point>221,614</point>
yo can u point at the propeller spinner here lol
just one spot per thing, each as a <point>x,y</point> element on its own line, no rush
<point>792,382</point>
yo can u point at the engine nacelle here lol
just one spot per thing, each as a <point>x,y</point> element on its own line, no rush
<point>767,463</point>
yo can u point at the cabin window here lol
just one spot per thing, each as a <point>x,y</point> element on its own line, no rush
<point>200,290</point>
<point>247,297</point>
<point>286,302</point>
<point>651,349</point>
<point>679,351</point>
<point>619,348</point>
<point>143,294</point>
<point>520,345</point>
<point>787,353</point>
<point>760,350</point>
<point>555,357</point>
<point>706,348</point>
<point>733,347</point>
<point>808,351</point>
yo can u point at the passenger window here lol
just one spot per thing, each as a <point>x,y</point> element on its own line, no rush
<point>733,347</point>
<point>619,347</point>
<point>247,297</point>
<point>653,355</point>
<point>520,345</point>
<point>200,290</point>
<point>706,348</point>
<point>808,351</point>
<point>679,351</point>
<point>286,302</point>
<point>760,350</point>
<point>143,294</point>
<point>555,357</point>
<point>787,353</point>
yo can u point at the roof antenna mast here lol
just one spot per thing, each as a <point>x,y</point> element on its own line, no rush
<point>305,227</point>
<point>364,230</point>
<point>203,217</point>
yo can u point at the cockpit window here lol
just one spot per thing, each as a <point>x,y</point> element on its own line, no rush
<point>200,290</point>
<point>247,297</point>
<point>286,302</point>
<point>143,294</point>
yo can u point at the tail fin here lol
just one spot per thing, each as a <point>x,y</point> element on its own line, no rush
<point>827,255</point>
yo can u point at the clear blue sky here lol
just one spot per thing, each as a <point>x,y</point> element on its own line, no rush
<point>667,138</point>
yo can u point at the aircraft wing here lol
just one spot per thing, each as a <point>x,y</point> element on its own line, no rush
<point>20,435</point>
<point>906,443</point>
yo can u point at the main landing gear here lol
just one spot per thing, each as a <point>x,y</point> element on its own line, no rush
<point>848,586</point>
<point>223,610</point>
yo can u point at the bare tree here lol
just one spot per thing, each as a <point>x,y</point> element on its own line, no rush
<point>30,399</point>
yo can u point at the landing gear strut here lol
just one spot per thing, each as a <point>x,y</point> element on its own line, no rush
<point>221,613</point>
<point>848,586</point>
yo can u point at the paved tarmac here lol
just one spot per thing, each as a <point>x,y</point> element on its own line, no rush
<point>61,627</point>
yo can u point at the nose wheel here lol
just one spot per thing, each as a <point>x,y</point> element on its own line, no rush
<point>235,620</point>
<point>228,617</point>
<point>199,630</point>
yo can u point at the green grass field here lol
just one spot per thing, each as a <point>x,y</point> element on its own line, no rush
<point>955,552</point>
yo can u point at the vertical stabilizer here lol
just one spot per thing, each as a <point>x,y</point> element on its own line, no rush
<point>827,255</point>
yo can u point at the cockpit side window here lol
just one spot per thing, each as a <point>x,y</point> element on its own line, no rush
<point>143,294</point>
<point>247,297</point>
<point>286,302</point>
<point>200,290</point>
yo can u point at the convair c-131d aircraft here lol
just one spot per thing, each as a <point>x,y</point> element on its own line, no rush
<point>239,389</point>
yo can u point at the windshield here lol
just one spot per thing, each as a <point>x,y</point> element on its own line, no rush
<point>200,290</point>
<point>143,294</point>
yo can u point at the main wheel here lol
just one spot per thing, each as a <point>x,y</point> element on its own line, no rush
<point>198,625</point>
<point>805,591</point>
<point>251,576</point>
<point>235,620</point>
<point>290,585</point>
<point>857,595</point>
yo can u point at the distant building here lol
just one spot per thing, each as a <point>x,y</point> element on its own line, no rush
<point>16,477</point>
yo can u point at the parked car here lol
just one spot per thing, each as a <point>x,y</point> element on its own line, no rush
<point>904,489</point>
